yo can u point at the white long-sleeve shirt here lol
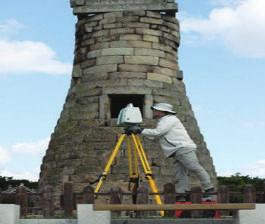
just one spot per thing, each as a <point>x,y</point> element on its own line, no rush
<point>173,137</point>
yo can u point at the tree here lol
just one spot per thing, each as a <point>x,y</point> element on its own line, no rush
<point>237,182</point>
<point>5,182</point>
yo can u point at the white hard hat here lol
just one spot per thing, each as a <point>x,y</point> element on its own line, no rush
<point>164,107</point>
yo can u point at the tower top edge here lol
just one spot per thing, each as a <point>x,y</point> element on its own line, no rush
<point>99,6</point>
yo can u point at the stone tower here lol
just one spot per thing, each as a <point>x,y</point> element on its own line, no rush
<point>125,52</point>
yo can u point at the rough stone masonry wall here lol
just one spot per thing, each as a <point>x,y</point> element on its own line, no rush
<point>126,52</point>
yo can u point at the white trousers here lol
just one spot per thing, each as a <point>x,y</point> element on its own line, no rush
<point>189,162</point>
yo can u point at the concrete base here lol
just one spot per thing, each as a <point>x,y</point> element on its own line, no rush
<point>9,214</point>
<point>256,216</point>
<point>86,215</point>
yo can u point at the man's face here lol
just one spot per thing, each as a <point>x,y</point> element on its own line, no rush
<point>158,114</point>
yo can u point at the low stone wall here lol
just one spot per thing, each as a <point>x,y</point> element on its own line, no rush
<point>9,214</point>
<point>48,221</point>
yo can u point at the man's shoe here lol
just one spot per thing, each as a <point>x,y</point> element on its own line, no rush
<point>209,195</point>
<point>181,198</point>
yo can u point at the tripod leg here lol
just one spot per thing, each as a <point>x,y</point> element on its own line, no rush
<point>147,169</point>
<point>132,160</point>
<point>110,161</point>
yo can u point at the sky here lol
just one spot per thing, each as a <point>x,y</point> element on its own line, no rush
<point>222,55</point>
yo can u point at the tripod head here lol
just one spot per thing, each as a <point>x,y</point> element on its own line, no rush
<point>133,129</point>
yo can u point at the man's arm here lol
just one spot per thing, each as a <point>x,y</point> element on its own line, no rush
<point>162,128</point>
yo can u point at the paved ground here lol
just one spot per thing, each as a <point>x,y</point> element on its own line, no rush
<point>172,221</point>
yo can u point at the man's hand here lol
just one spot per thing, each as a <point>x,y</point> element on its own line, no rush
<point>134,130</point>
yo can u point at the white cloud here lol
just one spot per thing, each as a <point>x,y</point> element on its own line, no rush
<point>28,57</point>
<point>225,2</point>
<point>255,169</point>
<point>32,148</point>
<point>20,57</point>
<point>19,160</point>
<point>9,28</point>
<point>240,26</point>
<point>32,175</point>
<point>4,156</point>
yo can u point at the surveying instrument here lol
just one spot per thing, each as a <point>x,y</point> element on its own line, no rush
<point>130,117</point>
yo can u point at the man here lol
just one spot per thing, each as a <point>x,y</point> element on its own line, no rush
<point>176,143</point>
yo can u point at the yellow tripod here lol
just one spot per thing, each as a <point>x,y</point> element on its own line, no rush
<point>133,165</point>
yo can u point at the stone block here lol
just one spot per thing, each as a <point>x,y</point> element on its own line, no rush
<point>168,64</point>
<point>127,75</point>
<point>131,37</point>
<point>163,47</point>
<point>77,2</point>
<point>145,83</point>
<point>159,77</point>
<point>137,25</point>
<point>91,24</point>
<point>140,44</point>
<point>9,214</point>
<point>151,38</point>
<point>127,90</point>
<point>101,69</point>
<point>135,82</point>
<point>153,14</point>
<point>99,45</point>
<point>170,19</point>
<point>88,42</point>
<point>96,6</point>
<point>100,33</point>
<point>170,37</point>
<point>165,92</point>
<point>134,68</point>
<point>88,63</point>
<point>165,71</point>
<point>148,32</point>
<point>172,26</point>
<point>83,115</point>
<point>96,17</point>
<point>173,44</point>
<point>113,14</point>
<point>92,77</point>
<point>106,38</point>
<point>149,52</point>
<point>93,54</point>
<point>103,106</point>
<point>128,19</point>
<point>135,13</point>
<point>171,57</point>
<point>151,20</point>
<point>107,20</point>
<point>110,60</point>
<point>119,43</point>
<point>117,51</point>
<point>86,91</point>
<point>121,31</point>
<point>112,25</point>
<point>89,29</point>
<point>141,60</point>
<point>77,72</point>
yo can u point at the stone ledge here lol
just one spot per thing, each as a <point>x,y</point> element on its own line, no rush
<point>159,77</point>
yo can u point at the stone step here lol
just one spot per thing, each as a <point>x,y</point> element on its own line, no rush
<point>173,221</point>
